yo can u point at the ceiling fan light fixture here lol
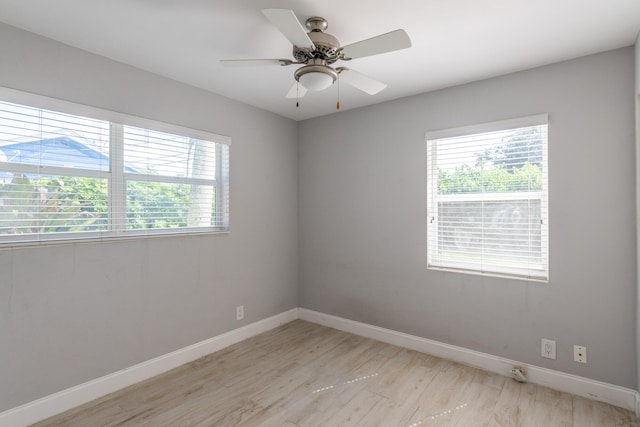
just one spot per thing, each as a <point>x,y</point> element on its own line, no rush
<point>316,81</point>
<point>316,77</point>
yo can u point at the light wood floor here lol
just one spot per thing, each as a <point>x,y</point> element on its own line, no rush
<point>302,374</point>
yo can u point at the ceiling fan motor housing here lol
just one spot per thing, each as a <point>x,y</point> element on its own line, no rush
<point>326,45</point>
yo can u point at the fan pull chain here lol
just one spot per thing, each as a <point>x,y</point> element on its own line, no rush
<point>338,103</point>
<point>297,95</point>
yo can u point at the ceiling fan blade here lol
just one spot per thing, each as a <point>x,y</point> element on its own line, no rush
<point>361,81</point>
<point>285,20</point>
<point>395,40</point>
<point>296,91</point>
<point>254,62</point>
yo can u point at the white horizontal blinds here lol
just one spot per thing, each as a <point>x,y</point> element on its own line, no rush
<point>65,176</point>
<point>221,202</point>
<point>47,138</point>
<point>172,181</point>
<point>54,172</point>
<point>163,154</point>
<point>487,202</point>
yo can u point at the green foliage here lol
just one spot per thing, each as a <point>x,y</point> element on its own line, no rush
<point>521,147</point>
<point>477,179</point>
<point>157,205</point>
<point>52,204</point>
<point>70,204</point>
<point>89,194</point>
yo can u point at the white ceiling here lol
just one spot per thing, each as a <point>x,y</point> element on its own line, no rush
<point>454,41</point>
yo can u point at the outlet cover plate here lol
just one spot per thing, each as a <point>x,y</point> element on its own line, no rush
<point>580,353</point>
<point>548,348</point>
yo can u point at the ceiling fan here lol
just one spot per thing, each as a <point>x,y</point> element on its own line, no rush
<point>317,51</point>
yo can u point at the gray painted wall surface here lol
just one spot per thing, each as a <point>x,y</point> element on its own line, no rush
<point>72,313</point>
<point>637,100</point>
<point>362,229</point>
<point>637,56</point>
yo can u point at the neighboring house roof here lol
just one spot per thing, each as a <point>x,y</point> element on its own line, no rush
<point>60,151</point>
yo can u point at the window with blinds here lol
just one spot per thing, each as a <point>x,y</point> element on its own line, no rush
<point>174,181</point>
<point>487,199</point>
<point>65,176</point>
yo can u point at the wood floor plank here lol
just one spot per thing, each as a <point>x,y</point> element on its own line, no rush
<point>478,403</point>
<point>589,412</point>
<point>393,373</point>
<point>187,400</point>
<point>108,414</point>
<point>303,374</point>
<point>552,408</point>
<point>444,396</point>
<point>515,402</point>
<point>356,409</point>
<point>625,418</point>
<point>402,403</point>
<point>336,391</point>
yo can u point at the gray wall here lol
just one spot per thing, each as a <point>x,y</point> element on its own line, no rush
<point>75,312</point>
<point>637,56</point>
<point>637,99</point>
<point>362,210</point>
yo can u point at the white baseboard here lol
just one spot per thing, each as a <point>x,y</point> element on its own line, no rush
<point>596,390</point>
<point>56,403</point>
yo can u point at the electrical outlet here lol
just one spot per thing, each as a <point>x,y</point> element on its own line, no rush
<point>548,348</point>
<point>580,354</point>
<point>240,312</point>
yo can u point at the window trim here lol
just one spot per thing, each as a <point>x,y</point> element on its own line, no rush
<point>116,180</point>
<point>535,120</point>
<point>542,195</point>
<point>44,102</point>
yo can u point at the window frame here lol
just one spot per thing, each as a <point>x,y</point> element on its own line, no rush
<point>434,260</point>
<point>117,224</point>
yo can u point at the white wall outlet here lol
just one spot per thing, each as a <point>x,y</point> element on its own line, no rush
<point>580,354</point>
<point>240,312</point>
<point>548,348</point>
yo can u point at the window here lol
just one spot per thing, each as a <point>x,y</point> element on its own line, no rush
<point>65,176</point>
<point>487,199</point>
